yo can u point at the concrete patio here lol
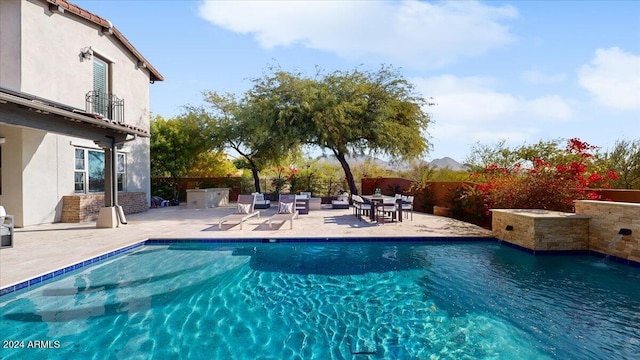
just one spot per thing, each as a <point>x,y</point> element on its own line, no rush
<point>42,249</point>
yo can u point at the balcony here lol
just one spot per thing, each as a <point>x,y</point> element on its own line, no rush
<point>106,105</point>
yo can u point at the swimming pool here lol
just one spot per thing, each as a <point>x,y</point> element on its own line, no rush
<point>402,300</point>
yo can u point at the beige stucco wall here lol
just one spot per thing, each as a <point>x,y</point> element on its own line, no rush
<point>10,43</point>
<point>11,197</point>
<point>41,56</point>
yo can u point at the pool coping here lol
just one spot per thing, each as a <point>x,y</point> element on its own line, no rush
<point>12,288</point>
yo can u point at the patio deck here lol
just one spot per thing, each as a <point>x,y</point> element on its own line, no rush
<point>42,249</point>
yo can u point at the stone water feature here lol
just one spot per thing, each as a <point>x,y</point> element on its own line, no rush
<point>605,227</point>
<point>609,220</point>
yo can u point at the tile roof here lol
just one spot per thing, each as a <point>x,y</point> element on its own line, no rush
<point>107,25</point>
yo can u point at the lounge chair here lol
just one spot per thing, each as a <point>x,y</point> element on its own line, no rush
<point>342,202</point>
<point>286,210</point>
<point>244,211</point>
<point>6,228</point>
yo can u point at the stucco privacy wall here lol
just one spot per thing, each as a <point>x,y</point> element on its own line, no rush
<point>607,218</point>
<point>541,230</point>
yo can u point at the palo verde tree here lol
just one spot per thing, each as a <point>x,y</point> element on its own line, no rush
<point>624,160</point>
<point>240,125</point>
<point>348,113</point>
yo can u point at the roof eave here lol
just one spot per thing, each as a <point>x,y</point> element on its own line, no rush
<point>108,28</point>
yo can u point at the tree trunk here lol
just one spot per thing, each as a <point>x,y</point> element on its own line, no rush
<point>176,182</point>
<point>256,178</point>
<point>347,172</point>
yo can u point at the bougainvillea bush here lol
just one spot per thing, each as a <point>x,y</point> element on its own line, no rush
<point>550,184</point>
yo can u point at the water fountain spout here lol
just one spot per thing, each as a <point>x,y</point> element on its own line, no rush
<point>625,232</point>
<point>613,242</point>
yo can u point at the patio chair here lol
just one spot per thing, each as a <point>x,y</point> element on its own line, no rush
<point>360,206</point>
<point>342,202</point>
<point>286,210</point>
<point>386,208</point>
<point>261,201</point>
<point>407,206</point>
<point>6,228</point>
<point>244,211</point>
<point>306,193</point>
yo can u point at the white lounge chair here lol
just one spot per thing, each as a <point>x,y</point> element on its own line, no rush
<point>6,228</point>
<point>244,211</point>
<point>286,210</point>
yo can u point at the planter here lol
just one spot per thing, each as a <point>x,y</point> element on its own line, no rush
<point>442,211</point>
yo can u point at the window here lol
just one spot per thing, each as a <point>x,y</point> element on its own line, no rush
<point>122,174</point>
<point>96,171</point>
<point>80,174</point>
<point>100,86</point>
<point>89,172</point>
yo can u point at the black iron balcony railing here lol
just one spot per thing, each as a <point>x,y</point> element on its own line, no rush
<point>107,105</point>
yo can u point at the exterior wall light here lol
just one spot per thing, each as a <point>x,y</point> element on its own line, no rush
<point>86,53</point>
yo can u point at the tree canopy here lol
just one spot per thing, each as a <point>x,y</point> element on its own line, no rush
<point>624,159</point>
<point>240,125</point>
<point>346,112</point>
<point>176,145</point>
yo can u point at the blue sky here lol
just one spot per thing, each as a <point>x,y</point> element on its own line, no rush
<point>522,71</point>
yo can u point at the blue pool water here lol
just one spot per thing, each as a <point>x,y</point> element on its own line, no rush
<point>477,300</point>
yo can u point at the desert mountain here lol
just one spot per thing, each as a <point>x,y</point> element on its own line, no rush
<point>442,163</point>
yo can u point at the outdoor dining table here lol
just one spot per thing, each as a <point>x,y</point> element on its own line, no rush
<point>381,200</point>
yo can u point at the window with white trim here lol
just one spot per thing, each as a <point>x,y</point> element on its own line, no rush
<point>100,86</point>
<point>89,171</point>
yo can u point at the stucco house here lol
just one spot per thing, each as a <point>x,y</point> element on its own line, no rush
<point>74,115</point>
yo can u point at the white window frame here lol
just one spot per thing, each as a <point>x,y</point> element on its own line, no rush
<point>81,168</point>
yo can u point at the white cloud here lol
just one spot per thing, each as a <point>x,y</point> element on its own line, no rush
<point>409,33</point>
<point>470,110</point>
<point>613,77</point>
<point>536,77</point>
<point>548,107</point>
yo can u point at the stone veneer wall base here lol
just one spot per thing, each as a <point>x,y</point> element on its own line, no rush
<point>85,207</point>
<point>607,218</point>
<point>541,230</point>
<point>594,227</point>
